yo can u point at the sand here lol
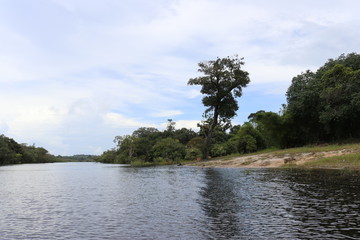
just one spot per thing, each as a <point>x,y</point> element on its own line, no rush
<point>269,160</point>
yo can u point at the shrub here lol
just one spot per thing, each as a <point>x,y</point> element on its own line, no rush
<point>192,154</point>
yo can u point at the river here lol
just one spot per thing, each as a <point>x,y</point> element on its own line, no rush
<point>100,201</point>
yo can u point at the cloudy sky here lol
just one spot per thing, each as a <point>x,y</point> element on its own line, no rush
<point>76,73</point>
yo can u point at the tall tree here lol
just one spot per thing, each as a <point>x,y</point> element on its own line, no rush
<point>222,81</point>
<point>325,105</point>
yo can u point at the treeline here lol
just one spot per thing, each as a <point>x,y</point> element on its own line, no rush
<point>171,146</point>
<point>322,107</point>
<point>12,152</point>
<point>77,158</point>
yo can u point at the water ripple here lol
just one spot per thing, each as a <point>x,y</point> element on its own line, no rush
<point>96,201</point>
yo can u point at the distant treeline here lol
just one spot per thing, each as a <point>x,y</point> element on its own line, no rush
<point>322,106</point>
<point>12,152</point>
<point>78,158</point>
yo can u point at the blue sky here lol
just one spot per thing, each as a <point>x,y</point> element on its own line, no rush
<point>76,73</point>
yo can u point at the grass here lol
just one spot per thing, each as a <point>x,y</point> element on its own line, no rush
<point>348,161</point>
<point>309,149</point>
<point>290,151</point>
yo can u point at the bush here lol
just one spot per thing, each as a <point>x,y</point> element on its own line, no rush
<point>247,144</point>
<point>107,157</point>
<point>218,150</point>
<point>169,149</point>
<point>192,154</point>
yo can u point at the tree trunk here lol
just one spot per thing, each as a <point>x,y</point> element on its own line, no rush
<point>209,136</point>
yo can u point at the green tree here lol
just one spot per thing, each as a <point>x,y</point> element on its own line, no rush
<point>142,141</point>
<point>170,128</point>
<point>184,135</point>
<point>169,150</point>
<point>147,132</point>
<point>249,139</point>
<point>303,107</point>
<point>340,113</point>
<point>12,152</point>
<point>270,125</point>
<point>222,81</point>
<point>324,106</point>
<point>107,157</point>
<point>126,148</point>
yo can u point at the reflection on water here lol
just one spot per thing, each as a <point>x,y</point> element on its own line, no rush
<point>327,203</point>
<point>282,204</point>
<point>97,201</point>
<point>220,205</point>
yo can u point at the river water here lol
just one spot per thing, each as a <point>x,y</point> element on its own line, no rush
<point>99,201</point>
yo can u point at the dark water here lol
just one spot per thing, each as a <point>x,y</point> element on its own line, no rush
<point>96,201</point>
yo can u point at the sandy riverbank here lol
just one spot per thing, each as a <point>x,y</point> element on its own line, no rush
<point>275,159</point>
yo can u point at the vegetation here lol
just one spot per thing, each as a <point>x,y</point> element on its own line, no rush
<point>77,158</point>
<point>222,82</point>
<point>147,146</point>
<point>322,107</point>
<point>12,152</point>
<point>347,161</point>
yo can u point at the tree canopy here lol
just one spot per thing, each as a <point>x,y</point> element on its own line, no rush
<point>12,152</point>
<point>222,82</point>
<point>324,106</point>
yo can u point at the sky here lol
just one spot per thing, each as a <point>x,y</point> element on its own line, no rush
<point>76,73</point>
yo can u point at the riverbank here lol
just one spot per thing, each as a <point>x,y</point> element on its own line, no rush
<point>326,156</point>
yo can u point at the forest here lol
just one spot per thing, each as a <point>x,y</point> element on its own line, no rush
<point>322,107</point>
<point>12,152</point>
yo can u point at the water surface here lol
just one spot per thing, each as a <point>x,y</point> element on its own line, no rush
<point>99,201</point>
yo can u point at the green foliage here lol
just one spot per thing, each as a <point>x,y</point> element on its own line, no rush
<point>147,132</point>
<point>225,148</point>
<point>218,150</point>
<point>107,157</point>
<point>339,99</point>
<point>324,106</point>
<point>147,146</point>
<point>350,161</point>
<point>196,142</point>
<point>192,154</point>
<point>169,150</point>
<point>184,135</point>
<point>270,126</point>
<point>248,129</point>
<point>13,153</point>
<point>248,139</point>
<point>247,144</point>
<point>77,158</point>
<point>222,81</point>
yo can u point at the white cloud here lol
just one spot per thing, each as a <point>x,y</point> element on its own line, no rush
<point>167,113</point>
<point>3,127</point>
<point>75,73</point>
<point>189,124</point>
<point>116,120</point>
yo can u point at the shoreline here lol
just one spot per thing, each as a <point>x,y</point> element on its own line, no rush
<point>335,157</point>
